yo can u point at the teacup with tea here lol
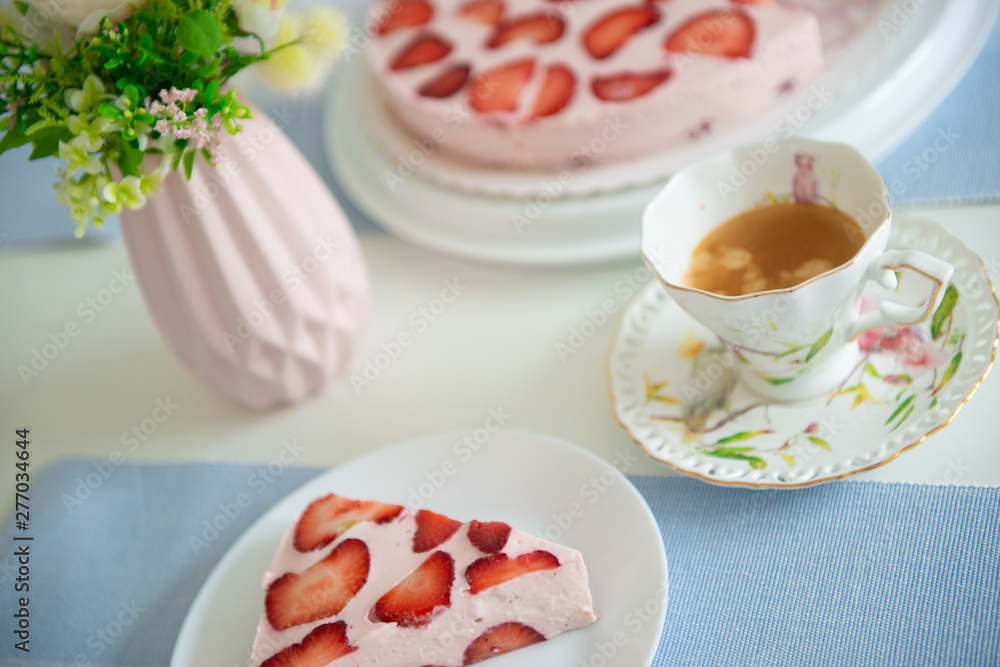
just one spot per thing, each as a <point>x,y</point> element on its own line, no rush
<point>771,247</point>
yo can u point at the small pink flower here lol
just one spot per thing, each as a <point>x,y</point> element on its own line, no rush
<point>813,428</point>
<point>897,380</point>
<point>805,185</point>
<point>917,356</point>
<point>912,351</point>
<point>869,339</point>
<point>162,126</point>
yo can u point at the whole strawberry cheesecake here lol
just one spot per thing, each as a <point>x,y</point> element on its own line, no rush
<point>551,83</point>
<point>368,583</point>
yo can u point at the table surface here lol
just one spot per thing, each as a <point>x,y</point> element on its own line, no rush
<point>493,350</point>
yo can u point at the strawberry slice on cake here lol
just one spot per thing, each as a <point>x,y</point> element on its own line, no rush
<point>368,583</point>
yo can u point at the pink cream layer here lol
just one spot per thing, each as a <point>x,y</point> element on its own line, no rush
<point>550,601</point>
<point>701,91</point>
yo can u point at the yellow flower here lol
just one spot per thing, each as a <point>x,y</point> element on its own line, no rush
<point>326,31</point>
<point>691,346</point>
<point>290,28</point>
<point>653,391</point>
<point>863,395</point>
<point>292,68</point>
<point>307,46</point>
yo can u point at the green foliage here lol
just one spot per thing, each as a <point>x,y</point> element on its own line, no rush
<point>900,409</point>
<point>199,32</point>
<point>188,163</point>
<point>96,92</point>
<point>735,454</point>
<point>741,436</point>
<point>46,141</point>
<point>819,344</point>
<point>949,372</point>
<point>820,442</point>
<point>943,311</point>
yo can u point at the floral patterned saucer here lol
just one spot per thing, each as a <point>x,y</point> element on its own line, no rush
<point>674,390</point>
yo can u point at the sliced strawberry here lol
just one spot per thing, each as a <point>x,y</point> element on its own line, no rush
<point>330,516</point>
<point>406,14</point>
<point>422,50</point>
<point>498,568</point>
<point>498,89</point>
<point>487,12</point>
<point>324,644</point>
<point>628,85</point>
<point>424,594</point>
<point>607,34</point>
<point>433,530</point>
<point>557,90</point>
<point>501,639</point>
<point>726,33</point>
<point>538,28</point>
<point>489,537</point>
<point>320,591</point>
<point>446,84</point>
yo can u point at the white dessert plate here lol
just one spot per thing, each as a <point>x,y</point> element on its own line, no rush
<point>525,479</point>
<point>882,85</point>
<point>907,385</point>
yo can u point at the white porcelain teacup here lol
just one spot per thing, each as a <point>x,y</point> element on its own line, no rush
<point>796,343</point>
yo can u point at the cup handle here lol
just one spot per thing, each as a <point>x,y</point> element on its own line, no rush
<point>895,314</point>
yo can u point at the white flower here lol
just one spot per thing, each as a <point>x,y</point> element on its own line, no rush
<point>75,16</point>
<point>87,135</point>
<point>128,192</point>
<point>149,184</point>
<point>259,17</point>
<point>78,157</point>
<point>83,99</point>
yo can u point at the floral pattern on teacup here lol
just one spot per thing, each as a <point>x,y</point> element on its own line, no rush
<point>900,372</point>
<point>810,184</point>
<point>789,360</point>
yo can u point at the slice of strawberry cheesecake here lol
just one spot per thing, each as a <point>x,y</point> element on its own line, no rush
<point>553,83</point>
<point>367,583</point>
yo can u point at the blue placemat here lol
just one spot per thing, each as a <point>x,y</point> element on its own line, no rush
<point>840,574</point>
<point>954,157</point>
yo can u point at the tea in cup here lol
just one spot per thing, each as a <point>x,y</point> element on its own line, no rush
<point>771,246</point>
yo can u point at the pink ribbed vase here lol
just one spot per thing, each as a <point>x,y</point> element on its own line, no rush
<point>252,271</point>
